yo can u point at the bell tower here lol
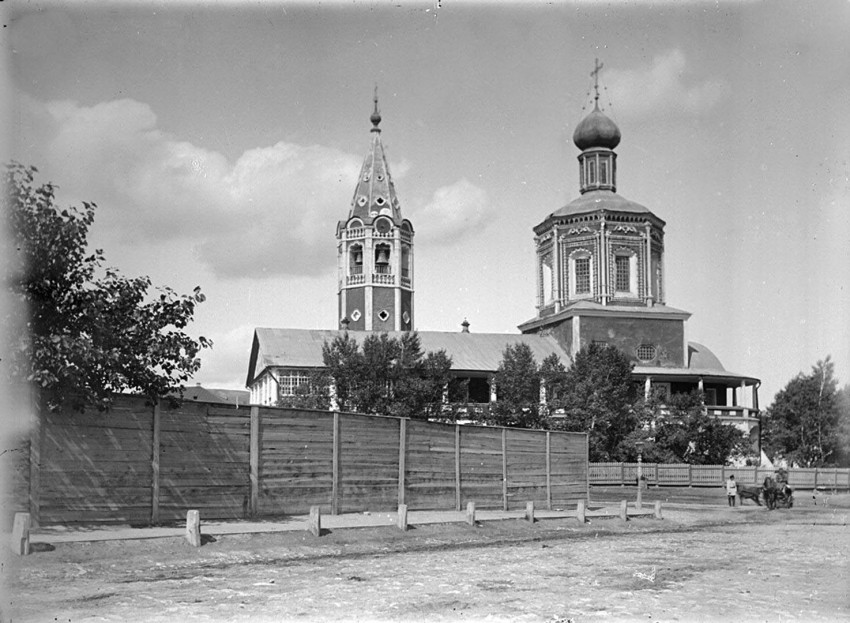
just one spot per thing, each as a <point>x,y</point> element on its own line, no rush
<point>375,249</point>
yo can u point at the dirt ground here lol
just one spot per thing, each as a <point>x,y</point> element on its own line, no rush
<point>700,563</point>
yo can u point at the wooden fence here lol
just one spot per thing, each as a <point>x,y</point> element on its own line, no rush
<point>141,464</point>
<point>714,475</point>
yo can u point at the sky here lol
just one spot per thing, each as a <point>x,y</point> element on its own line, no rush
<point>221,143</point>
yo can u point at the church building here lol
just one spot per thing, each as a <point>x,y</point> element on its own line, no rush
<point>600,279</point>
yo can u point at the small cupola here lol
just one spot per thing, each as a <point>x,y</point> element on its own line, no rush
<point>597,136</point>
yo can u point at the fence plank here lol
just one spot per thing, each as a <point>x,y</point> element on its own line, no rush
<point>155,448</point>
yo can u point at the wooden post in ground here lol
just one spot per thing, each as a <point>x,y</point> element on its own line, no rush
<point>548,470</point>
<point>155,443</point>
<point>402,517</point>
<point>402,461</point>
<point>624,510</point>
<point>581,511</point>
<point>314,524</point>
<point>457,467</point>
<point>254,462</point>
<point>470,513</point>
<point>20,543</point>
<point>504,469</point>
<point>36,436</point>
<point>193,528</point>
<point>529,512</point>
<point>658,509</point>
<point>335,480</point>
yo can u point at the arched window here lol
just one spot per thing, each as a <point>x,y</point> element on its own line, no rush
<point>382,259</point>
<point>355,260</point>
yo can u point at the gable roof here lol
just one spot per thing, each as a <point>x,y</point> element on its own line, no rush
<point>481,352</point>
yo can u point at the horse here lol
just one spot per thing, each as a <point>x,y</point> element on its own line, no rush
<point>777,494</point>
<point>752,493</point>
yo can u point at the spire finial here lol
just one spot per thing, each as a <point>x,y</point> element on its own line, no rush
<point>595,73</point>
<point>376,116</point>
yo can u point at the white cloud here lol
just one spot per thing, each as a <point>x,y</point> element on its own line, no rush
<point>453,213</point>
<point>271,212</point>
<point>663,87</point>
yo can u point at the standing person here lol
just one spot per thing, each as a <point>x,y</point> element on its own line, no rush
<point>731,490</point>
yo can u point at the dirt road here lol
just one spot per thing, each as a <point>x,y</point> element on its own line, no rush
<point>720,565</point>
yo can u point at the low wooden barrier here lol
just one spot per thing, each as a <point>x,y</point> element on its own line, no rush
<point>684,475</point>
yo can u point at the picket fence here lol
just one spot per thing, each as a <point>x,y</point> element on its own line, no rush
<point>684,475</point>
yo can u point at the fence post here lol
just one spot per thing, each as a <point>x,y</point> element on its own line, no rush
<point>505,469</point>
<point>756,475</point>
<point>254,461</point>
<point>155,443</point>
<point>722,474</point>
<point>457,467</point>
<point>335,468</point>
<point>402,455</point>
<point>548,471</point>
<point>690,476</point>
<point>622,474</point>
<point>36,437</point>
<point>816,478</point>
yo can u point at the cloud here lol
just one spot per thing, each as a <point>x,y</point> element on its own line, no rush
<point>453,213</point>
<point>271,212</point>
<point>663,87</point>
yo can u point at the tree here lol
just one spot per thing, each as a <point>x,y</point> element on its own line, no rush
<point>843,454</point>
<point>90,331</point>
<point>314,394</point>
<point>598,398</point>
<point>387,375</point>
<point>553,375</point>
<point>517,389</point>
<point>685,433</point>
<point>802,425</point>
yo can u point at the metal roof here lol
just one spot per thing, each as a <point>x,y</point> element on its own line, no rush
<point>481,352</point>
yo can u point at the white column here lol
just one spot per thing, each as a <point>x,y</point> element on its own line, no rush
<point>556,270</point>
<point>647,388</point>
<point>603,260</point>
<point>647,269</point>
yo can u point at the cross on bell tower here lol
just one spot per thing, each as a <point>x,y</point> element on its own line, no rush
<point>375,249</point>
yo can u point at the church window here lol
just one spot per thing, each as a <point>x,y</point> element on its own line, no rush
<point>623,277</point>
<point>355,315</point>
<point>405,261</point>
<point>379,200</point>
<point>361,201</point>
<point>547,276</point>
<point>382,259</point>
<point>366,176</point>
<point>406,317</point>
<point>646,352</point>
<point>582,275</point>
<point>356,260</point>
<point>380,177</point>
<point>591,171</point>
<point>383,315</point>
<point>603,171</point>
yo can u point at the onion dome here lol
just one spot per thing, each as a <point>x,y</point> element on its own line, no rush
<point>596,130</point>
